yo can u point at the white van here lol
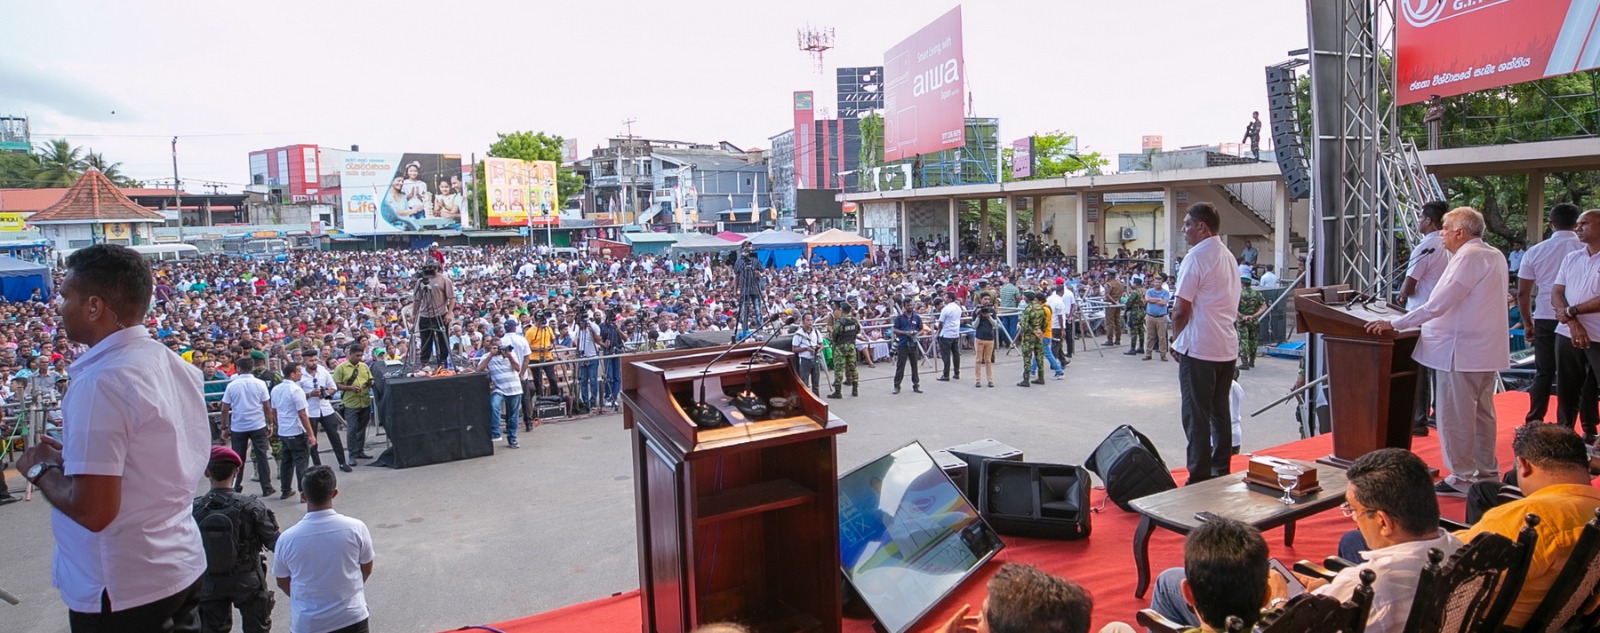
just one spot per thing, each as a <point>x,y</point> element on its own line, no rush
<point>167,252</point>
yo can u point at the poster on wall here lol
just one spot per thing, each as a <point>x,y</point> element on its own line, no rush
<point>517,189</point>
<point>1452,47</point>
<point>393,193</point>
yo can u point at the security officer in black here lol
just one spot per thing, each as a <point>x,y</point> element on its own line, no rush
<point>234,529</point>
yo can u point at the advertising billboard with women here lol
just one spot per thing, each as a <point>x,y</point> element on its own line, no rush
<point>1452,47</point>
<point>394,193</point>
<point>517,188</point>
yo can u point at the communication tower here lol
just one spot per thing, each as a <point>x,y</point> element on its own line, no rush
<point>816,41</point>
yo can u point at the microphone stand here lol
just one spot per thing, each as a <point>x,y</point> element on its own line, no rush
<point>747,402</point>
<point>1389,280</point>
<point>704,415</point>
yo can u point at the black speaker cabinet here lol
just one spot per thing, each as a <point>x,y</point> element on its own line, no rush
<point>955,468</point>
<point>1036,500</point>
<point>974,454</point>
<point>435,420</point>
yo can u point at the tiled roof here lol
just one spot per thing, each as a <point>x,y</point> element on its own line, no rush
<point>35,200</point>
<point>94,199</point>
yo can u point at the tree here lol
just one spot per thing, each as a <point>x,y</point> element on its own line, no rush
<point>1055,155</point>
<point>112,171</point>
<point>60,165</point>
<point>17,169</point>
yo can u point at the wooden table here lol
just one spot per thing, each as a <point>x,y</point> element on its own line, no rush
<point>1231,498</point>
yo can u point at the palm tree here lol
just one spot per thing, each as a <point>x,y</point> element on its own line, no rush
<point>60,165</point>
<point>17,169</point>
<point>112,171</point>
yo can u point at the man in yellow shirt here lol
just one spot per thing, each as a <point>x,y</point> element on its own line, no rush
<point>541,340</point>
<point>1552,468</point>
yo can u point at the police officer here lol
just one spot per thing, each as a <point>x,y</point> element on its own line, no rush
<point>1032,330</point>
<point>1251,306</point>
<point>842,335</point>
<point>234,529</point>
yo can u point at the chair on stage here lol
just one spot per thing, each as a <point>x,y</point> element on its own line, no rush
<point>1305,613</point>
<point>1576,588</point>
<point>1474,590</point>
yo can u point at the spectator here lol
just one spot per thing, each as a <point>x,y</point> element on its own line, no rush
<point>296,435</point>
<point>323,563</point>
<point>1022,599</point>
<point>1225,572</point>
<point>246,408</point>
<point>354,379</point>
<point>505,391</point>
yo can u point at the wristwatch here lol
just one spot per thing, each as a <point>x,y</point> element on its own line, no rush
<point>37,471</point>
<point>1572,311</point>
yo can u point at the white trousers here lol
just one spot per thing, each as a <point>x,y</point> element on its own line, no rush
<point>1465,410</point>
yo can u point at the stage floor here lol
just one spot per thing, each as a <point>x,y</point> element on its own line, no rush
<point>1103,563</point>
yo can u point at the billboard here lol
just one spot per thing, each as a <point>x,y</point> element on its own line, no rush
<point>521,193</point>
<point>1452,47</point>
<point>1022,158</point>
<point>924,104</point>
<point>391,193</point>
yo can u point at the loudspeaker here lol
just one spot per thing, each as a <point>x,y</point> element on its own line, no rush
<point>1037,500</point>
<point>1130,466</point>
<point>435,420</point>
<point>954,467</point>
<point>975,454</point>
<point>1288,142</point>
<point>709,338</point>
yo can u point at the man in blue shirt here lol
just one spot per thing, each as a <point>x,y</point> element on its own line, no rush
<point>1156,301</point>
<point>907,325</point>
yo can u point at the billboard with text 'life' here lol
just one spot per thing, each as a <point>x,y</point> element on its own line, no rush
<point>924,85</point>
<point>391,193</point>
<point>1452,47</point>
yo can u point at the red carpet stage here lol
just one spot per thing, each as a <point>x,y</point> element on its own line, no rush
<point>1103,563</point>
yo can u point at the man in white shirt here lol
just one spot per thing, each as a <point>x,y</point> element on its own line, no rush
<point>949,339</point>
<point>316,382</point>
<point>295,434</point>
<point>1464,342</point>
<point>1269,279</point>
<point>1537,277</point>
<point>128,555</point>
<point>805,343</point>
<point>1423,272</point>
<point>1573,301</point>
<point>322,563</point>
<point>246,405</point>
<point>1206,342</point>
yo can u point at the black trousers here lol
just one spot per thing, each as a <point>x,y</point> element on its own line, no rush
<point>1203,386</point>
<point>328,425</point>
<point>1422,406</point>
<point>257,441</point>
<point>1544,362</point>
<point>359,627</point>
<point>1575,385</point>
<point>434,343</point>
<point>247,593</point>
<point>292,462</point>
<point>950,355</point>
<point>356,420</point>
<point>178,613</point>
<point>810,373</point>
<point>906,353</point>
<point>544,380</point>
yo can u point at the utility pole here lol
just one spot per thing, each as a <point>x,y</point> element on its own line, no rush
<point>631,169</point>
<point>177,187</point>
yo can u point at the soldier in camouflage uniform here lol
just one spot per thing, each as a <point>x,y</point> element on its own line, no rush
<point>1133,311</point>
<point>1031,332</point>
<point>1251,306</point>
<point>842,336</point>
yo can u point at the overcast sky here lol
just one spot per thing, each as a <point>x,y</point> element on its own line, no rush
<point>399,76</point>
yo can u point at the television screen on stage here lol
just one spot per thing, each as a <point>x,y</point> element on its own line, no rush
<point>924,91</point>
<point>1452,47</point>
<point>907,536</point>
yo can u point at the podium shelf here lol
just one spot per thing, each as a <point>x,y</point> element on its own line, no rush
<point>752,499</point>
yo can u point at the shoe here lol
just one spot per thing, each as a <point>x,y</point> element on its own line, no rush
<point>362,456</point>
<point>895,392</point>
<point>1024,383</point>
<point>1444,489</point>
<point>978,385</point>
<point>835,395</point>
<point>855,390</point>
<point>1589,438</point>
<point>286,494</point>
<point>269,492</point>
<point>1059,375</point>
<point>1109,344</point>
<point>916,389</point>
<point>1130,352</point>
<point>1235,451</point>
<point>958,375</point>
<point>1148,358</point>
<point>1066,361</point>
<point>9,499</point>
<point>345,468</point>
<point>1419,431</point>
<point>991,385</point>
<point>943,379</point>
<point>513,445</point>
<point>1163,358</point>
<point>1039,380</point>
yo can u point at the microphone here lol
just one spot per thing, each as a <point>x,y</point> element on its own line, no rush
<point>705,415</point>
<point>1389,279</point>
<point>746,402</point>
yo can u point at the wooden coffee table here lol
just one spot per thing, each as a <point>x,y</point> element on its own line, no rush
<point>1229,497</point>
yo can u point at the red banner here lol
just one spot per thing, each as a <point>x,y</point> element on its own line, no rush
<point>1452,47</point>
<point>925,91</point>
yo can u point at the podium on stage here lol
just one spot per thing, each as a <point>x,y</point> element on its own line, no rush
<point>1372,380</point>
<point>737,519</point>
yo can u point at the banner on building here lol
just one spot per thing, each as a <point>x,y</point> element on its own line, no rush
<point>924,107</point>
<point>519,190</point>
<point>1022,158</point>
<point>805,141</point>
<point>13,222</point>
<point>393,193</point>
<point>1452,47</point>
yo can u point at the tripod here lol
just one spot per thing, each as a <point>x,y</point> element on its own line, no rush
<point>421,294</point>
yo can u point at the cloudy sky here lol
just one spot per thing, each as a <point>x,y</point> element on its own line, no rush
<point>227,77</point>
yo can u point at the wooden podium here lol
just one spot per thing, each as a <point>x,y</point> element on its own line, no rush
<point>1372,380</point>
<point>740,522</point>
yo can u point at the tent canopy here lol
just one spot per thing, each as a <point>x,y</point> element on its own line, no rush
<point>19,279</point>
<point>702,243</point>
<point>834,246</point>
<point>777,239</point>
<point>648,243</point>
<point>836,237</point>
<point>733,237</point>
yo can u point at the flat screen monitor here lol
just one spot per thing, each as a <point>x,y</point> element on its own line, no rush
<point>907,536</point>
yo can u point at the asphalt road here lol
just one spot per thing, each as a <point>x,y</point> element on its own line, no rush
<point>552,524</point>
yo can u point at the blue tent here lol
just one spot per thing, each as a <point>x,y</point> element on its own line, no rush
<point>19,279</point>
<point>778,249</point>
<point>834,246</point>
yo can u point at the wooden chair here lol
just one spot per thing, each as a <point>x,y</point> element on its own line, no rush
<point>1575,588</point>
<point>1157,623</point>
<point>1475,588</point>
<point>1311,613</point>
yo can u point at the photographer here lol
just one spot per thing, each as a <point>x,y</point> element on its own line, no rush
<point>505,391</point>
<point>611,345</point>
<point>435,302</point>
<point>586,340</point>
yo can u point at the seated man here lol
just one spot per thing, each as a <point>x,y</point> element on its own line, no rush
<point>1393,504</point>
<point>1219,559</point>
<point>1023,599</point>
<point>1552,468</point>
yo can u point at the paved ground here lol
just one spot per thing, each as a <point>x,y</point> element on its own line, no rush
<point>552,524</point>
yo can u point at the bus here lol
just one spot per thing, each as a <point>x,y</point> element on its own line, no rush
<point>274,248</point>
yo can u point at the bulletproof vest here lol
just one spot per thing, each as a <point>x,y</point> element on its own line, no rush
<point>230,543</point>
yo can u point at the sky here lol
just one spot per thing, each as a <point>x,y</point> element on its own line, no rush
<point>123,78</point>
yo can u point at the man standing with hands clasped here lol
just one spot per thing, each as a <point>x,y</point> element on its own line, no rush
<point>1464,342</point>
<point>950,336</point>
<point>907,326</point>
<point>1206,342</point>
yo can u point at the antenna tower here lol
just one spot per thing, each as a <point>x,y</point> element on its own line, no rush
<point>816,41</point>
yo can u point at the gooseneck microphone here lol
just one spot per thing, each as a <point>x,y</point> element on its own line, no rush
<point>704,415</point>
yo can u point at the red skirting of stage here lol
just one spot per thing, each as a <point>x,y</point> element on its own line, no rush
<point>1103,563</point>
